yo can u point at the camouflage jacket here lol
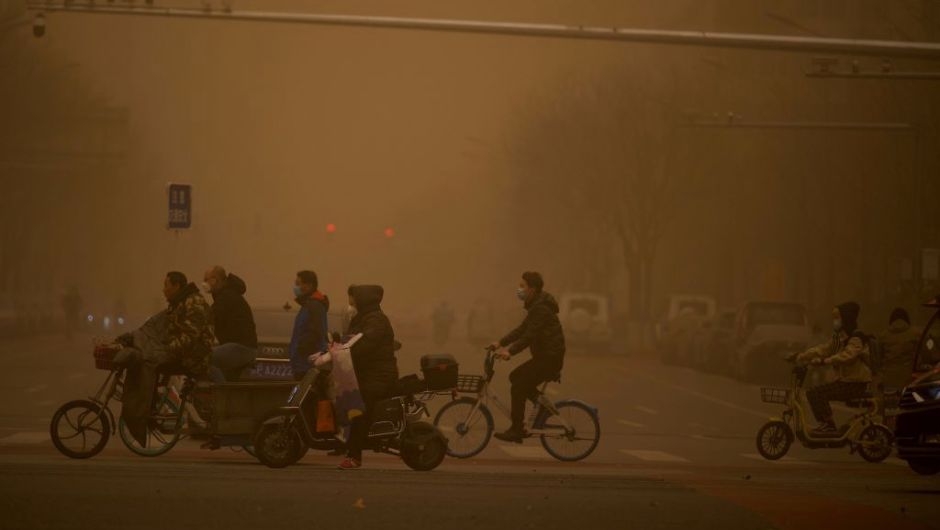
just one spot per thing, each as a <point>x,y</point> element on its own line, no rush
<point>849,356</point>
<point>189,335</point>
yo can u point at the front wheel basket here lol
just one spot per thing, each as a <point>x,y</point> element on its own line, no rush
<point>779,396</point>
<point>469,384</point>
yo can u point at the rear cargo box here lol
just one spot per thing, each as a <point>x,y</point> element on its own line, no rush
<point>440,371</point>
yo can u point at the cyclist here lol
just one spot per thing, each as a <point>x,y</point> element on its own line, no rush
<point>541,332</point>
<point>847,351</point>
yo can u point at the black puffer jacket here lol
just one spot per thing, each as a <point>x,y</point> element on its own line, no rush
<point>231,314</point>
<point>540,331</point>
<point>374,354</point>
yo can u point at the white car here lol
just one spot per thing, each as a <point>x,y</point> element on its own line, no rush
<point>585,318</point>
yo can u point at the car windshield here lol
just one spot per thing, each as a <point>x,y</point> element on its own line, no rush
<point>929,350</point>
<point>698,307</point>
<point>274,324</point>
<point>590,305</point>
<point>776,315</point>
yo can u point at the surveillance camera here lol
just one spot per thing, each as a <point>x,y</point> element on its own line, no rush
<point>39,25</point>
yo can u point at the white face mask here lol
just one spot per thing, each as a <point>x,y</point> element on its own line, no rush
<point>351,310</point>
<point>204,287</point>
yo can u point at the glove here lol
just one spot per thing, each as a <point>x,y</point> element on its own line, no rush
<point>126,340</point>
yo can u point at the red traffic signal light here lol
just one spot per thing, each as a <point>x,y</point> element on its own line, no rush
<point>330,228</point>
<point>389,232</point>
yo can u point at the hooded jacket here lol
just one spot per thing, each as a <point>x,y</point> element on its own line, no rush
<point>898,345</point>
<point>374,354</point>
<point>310,333</point>
<point>231,314</point>
<point>847,351</point>
<point>541,331</point>
<point>189,334</point>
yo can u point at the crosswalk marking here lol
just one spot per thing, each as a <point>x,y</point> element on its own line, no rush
<point>25,438</point>
<point>784,460</point>
<point>524,451</point>
<point>647,410</point>
<point>629,423</point>
<point>653,456</point>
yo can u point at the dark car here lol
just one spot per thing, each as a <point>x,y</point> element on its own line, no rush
<point>765,332</point>
<point>715,343</point>
<point>275,326</point>
<point>917,427</point>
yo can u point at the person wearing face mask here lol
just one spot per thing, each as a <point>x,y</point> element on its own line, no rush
<point>373,359</point>
<point>847,352</point>
<point>542,334</point>
<point>310,334</point>
<point>234,325</point>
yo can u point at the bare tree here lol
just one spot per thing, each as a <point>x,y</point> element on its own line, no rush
<point>602,154</point>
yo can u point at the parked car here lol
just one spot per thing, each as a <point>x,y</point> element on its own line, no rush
<point>585,318</point>
<point>680,324</point>
<point>713,343</point>
<point>917,425</point>
<point>765,332</point>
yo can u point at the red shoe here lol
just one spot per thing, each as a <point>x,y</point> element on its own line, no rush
<point>349,463</point>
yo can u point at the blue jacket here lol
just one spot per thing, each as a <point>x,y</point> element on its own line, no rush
<point>310,333</point>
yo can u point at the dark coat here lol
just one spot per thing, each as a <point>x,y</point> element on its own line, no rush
<point>232,315</point>
<point>540,332</point>
<point>310,333</point>
<point>373,355</point>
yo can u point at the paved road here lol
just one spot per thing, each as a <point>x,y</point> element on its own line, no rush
<point>677,451</point>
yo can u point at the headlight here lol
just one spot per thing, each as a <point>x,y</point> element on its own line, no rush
<point>931,393</point>
<point>90,318</point>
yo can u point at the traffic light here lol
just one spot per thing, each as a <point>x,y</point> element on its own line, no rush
<point>330,228</point>
<point>390,232</point>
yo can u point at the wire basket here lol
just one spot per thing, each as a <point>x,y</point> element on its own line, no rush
<point>775,395</point>
<point>470,384</point>
<point>104,356</point>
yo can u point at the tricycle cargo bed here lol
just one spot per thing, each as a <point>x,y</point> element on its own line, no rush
<point>238,408</point>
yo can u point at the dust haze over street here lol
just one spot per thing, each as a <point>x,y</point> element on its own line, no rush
<point>697,204</point>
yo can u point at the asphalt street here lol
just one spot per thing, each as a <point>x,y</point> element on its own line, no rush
<point>677,451</point>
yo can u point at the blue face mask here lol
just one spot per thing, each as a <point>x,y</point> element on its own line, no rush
<point>520,294</point>
<point>297,292</point>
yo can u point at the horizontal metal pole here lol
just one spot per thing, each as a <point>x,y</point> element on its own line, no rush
<point>916,76</point>
<point>860,126</point>
<point>687,38</point>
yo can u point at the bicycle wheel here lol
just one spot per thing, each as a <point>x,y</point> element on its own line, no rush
<point>164,429</point>
<point>80,429</point>
<point>466,435</point>
<point>875,443</point>
<point>774,439</point>
<point>578,431</point>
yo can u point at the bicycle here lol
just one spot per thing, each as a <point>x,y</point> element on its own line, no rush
<point>83,418</point>
<point>863,433</point>
<point>569,430</point>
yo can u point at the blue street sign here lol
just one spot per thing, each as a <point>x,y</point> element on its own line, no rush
<point>181,206</point>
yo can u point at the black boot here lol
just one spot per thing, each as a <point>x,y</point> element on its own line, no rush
<point>512,434</point>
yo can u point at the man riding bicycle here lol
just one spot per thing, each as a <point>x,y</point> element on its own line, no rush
<point>541,332</point>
